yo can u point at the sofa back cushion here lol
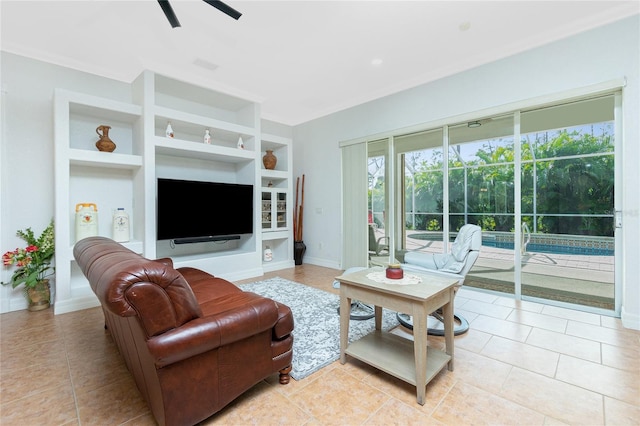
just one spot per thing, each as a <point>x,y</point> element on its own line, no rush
<point>128,284</point>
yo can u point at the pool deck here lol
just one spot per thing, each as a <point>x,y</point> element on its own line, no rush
<point>572,278</point>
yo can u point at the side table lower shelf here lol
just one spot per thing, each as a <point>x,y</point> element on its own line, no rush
<point>395,355</point>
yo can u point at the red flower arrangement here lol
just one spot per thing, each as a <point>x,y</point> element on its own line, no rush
<point>33,262</point>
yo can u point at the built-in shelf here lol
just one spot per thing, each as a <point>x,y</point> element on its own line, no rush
<point>277,233</point>
<point>127,176</point>
<point>275,174</point>
<point>201,151</point>
<point>81,157</point>
<point>195,124</point>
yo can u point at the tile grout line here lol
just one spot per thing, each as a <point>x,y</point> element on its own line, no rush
<point>73,386</point>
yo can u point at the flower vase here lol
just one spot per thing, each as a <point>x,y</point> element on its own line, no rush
<point>39,296</point>
<point>298,251</point>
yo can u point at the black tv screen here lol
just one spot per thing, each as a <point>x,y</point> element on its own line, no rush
<point>194,211</point>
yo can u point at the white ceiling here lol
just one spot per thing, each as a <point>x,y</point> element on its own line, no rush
<point>300,59</point>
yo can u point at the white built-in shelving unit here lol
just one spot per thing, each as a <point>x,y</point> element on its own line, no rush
<point>277,204</point>
<point>127,177</point>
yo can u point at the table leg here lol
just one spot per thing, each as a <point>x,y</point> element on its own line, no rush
<point>420,351</point>
<point>447,314</point>
<point>378,313</point>
<point>345,310</point>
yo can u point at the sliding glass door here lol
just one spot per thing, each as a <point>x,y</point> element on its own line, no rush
<point>481,191</point>
<point>421,196</point>
<point>568,173</point>
<point>377,202</point>
<point>540,184</point>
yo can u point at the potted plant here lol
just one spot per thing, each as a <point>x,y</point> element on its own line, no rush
<point>33,266</point>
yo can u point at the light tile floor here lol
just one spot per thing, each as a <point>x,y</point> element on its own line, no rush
<point>520,363</point>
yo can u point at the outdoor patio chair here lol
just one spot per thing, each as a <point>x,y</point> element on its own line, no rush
<point>455,264</point>
<point>377,245</point>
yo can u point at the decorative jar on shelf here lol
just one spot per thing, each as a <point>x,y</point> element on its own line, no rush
<point>269,160</point>
<point>104,144</point>
<point>86,220</point>
<point>120,226</point>
<point>268,254</point>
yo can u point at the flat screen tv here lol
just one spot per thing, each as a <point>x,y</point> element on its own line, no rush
<point>193,211</point>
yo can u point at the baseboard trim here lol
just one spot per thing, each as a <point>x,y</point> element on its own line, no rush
<point>276,266</point>
<point>630,320</point>
<point>242,275</point>
<point>321,262</point>
<point>77,304</point>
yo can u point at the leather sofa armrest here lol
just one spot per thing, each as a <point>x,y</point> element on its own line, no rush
<point>284,325</point>
<point>204,334</point>
<point>166,261</point>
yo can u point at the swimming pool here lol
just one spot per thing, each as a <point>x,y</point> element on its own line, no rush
<point>552,248</point>
<point>497,240</point>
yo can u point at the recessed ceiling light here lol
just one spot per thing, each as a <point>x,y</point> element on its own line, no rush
<point>465,26</point>
<point>376,62</point>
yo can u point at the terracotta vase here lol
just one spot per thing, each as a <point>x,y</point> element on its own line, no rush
<point>104,143</point>
<point>269,160</point>
<point>39,297</point>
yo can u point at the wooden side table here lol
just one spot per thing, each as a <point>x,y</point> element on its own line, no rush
<point>412,362</point>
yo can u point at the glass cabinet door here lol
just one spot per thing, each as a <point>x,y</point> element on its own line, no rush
<point>266,210</point>
<point>281,210</point>
<point>274,210</point>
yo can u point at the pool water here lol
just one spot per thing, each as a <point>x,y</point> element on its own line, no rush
<point>553,248</point>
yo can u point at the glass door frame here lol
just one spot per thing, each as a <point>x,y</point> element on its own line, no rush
<point>395,176</point>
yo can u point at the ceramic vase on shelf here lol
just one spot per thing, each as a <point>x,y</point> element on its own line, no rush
<point>269,160</point>
<point>104,144</point>
<point>268,254</point>
<point>120,226</point>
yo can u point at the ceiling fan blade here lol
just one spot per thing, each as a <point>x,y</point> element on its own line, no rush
<point>168,12</point>
<point>224,8</point>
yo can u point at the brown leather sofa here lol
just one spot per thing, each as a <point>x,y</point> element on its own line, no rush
<point>193,342</point>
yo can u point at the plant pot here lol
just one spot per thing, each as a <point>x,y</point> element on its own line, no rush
<point>39,297</point>
<point>298,251</point>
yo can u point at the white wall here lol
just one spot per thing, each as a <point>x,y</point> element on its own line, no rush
<point>27,148</point>
<point>594,57</point>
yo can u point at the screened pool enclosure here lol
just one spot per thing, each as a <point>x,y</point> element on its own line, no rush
<point>540,182</point>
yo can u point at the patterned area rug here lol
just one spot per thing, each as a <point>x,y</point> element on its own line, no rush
<point>316,334</point>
